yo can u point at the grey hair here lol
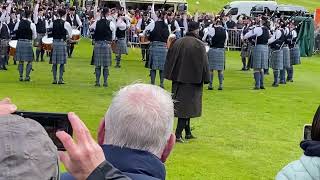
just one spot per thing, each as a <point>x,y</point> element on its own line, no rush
<point>140,117</point>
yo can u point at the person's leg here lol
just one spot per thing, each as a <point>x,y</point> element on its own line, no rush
<point>20,69</point>
<point>118,59</point>
<point>257,78</point>
<point>42,54</point>
<point>180,126</point>
<point>143,52</point>
<point>1,62</point>
<point>210,87</point>
<point>266,71</point>
<point>98,74</point>
<point>161,78</point>
<point>290,74</point>
<point>54,73</point>
<point>38,51</point>
<point>244,64</point>
<point>153,76</point>
<point>188,130</point>
<point>105,76</point>
<point>61,71</point>
<point>275,78</point>
<point>28,71</point>
<point>282,76</point>
<point>221,78</point>
<point>262,79</point>
<point>71,49</point>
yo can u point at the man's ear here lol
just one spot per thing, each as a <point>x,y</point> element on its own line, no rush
<point>169,146</point>
<point>101,132</point>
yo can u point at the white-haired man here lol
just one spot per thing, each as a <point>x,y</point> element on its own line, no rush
<point>138,139</point>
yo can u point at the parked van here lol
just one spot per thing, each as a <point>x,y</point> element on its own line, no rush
<point>238,8</point>
<point>289,10</point>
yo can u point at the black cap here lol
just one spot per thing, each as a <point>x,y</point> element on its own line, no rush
<point>192,26</point>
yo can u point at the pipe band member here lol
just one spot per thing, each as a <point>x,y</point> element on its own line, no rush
<point>141,26</point>
<point>75,22</point>
<point>294,50</point>
<point>42,25</point>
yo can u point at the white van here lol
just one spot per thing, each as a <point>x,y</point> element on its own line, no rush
<point>238,8</point>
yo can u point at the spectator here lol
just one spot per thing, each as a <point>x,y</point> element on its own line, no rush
<point>308,167</point>
<point>138,139</point>
<point>230,23</point>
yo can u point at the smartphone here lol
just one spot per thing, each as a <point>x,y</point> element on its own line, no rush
<point>52,123</point>
<point>307,132</point>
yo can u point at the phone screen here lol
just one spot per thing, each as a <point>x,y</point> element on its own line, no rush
<point>52,123</point>
<point>307,132</point>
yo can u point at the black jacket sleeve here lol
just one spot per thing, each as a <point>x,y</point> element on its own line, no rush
<point>105,171</point>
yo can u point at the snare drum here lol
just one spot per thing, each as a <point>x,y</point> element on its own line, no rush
<point>75,35</point>
<point>13,45</point>
<point>143,39</point>
<point>47,43</point>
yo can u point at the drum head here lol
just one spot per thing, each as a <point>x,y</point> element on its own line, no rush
<point>75,32</point>
<point>13,43</point>
<point>141,35</point>
<point>46,40</point>
<point>173,36</point>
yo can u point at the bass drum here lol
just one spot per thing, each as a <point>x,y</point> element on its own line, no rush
<point>13,46</point>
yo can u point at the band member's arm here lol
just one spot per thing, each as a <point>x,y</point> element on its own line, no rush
<point>241,36</point>
<point>78,20</point>
<point>16,26</point>
<point>210,31</point>
<point>227,39</point>
<point>113,29</point>
<point>254,32</point>
<point>177,26</point>
<point>185,23</point>
<point>138,26</point>
<point>35,13</point>
<point>196,17</point>
<point>276,35</point>
<point>153,13</point>
<point>93,25</point>
<point>149,28</point>
<point>34,30</point>
<point>68,27</point>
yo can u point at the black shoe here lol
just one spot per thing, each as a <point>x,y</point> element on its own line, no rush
<point>21,79</point>
<point>54,82</point>
<point>210,88</point>
<point>275,85</point>
<point>180,140</point>
<point>262,87</point>
<point>243,69</point>
<point>105,85</point>
<point>61,82</point>
<point>27,79</point>
<point>220,88</point>
<point>4,68</point>
<point>290,80</point>
<point>117,66</point>
<point>283,82</point>
<point>256,88</point>
<point>190,137</point>
<point>97,85</point>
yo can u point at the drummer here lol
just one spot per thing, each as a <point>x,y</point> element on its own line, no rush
<point>141,26</point>
<point>61,30</point>
<point>42,24</point>
<point>4,42</point>
<point>26,32</point>
<point>122,25</point>
<point>75,22</point>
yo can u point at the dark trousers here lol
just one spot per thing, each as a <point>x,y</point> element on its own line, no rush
<point>70,48</point>
<point>183,124</point>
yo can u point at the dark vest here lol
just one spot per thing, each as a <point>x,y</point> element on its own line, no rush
<point>24,31</point>
<point>11,25</point>
<point>263,39</point>
<point>72,22</point>
<point>292,41</point>
<point>172,25</point>
<point>160,32</point>
<point>102,31</point>
<point>219,38</point>
<point>58,30</point>
<point>4,32</point>
<point>144,24</point>
<point>276,45</point>
<point>41,26</point>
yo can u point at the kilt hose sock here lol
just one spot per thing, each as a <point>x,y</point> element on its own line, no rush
<point>283,76</point>
<point>211,79</point>
<point>54,72</point>
<point>153,76</point>
<point>98,74</point>
<point>28,70</point>
<point>257,78</point>
<point>39,53</point>
<point>143,53</point>
<point>118,59</point>
<point>61,72</point>
<point>244,63</point>
<point>276,77</point>
<point>70,48</point>
<point>105,75</point>
<point>20,69</point>
<point>161,78</point>
<point>262,78</point>
<point>290,73</point>
<point>221,77</point>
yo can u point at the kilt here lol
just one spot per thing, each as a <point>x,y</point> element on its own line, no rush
<point>59,52</point>
<point>102,54</point>
<point>260,55</point>
<point>295,55</point>
<point>277,59</point>
<point>216,58</point>
<point>158,55</point>
<point>24,51</point>
<point>4,47</point>
<point>38,41</point>
<point>122,47</point>
<point>286,57</point>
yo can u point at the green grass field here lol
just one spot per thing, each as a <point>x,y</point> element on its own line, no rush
<point>216,5</point>
<point>243,134</point>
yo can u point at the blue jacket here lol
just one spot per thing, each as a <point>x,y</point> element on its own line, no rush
<point>136,164</point>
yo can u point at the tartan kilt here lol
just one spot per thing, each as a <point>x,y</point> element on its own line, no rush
<point>59,52</point>
<point>277,59</point>
<point>122,47</point>
<point>216,58</point>
<point>260,56</point>
<point>102,54</point>
<point>38,41</point>
<point>158,55</point>
<point>4,47</point>
<point>295,55</point>
<point>286,57</point>
<point>24,51</point>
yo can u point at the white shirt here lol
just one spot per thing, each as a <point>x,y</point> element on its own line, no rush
<point>122,23</point>
<point>66,26</point>
<point>257,31</point>
<point>36,16</point>
<point>32,27</point>
<point>112,27</point>
<point>150,27</point>
<point>276,35</point>
<point>211,32</point>
<point>176,25</point>
<point>138,26</point>
<point>77,19</point>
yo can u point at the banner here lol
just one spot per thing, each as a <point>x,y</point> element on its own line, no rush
<point>317,17</point>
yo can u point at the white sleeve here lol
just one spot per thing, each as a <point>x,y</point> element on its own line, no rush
<point>34,30</point>
<point>16,26</point>
<point>294,34</point>
<point>153,13</point>
<point>35,13</point>
<point>113,29</point>
<point>276,35</point>
<point>68,27</point>
<point>241,36</point>
<point>93,25</point>
<point>185,25</point>
<point>150,27</point>
<point>227,39</point>
<point>257,31</point>
<point>78,20</point>
<point>47,24</point>
<point>128,23</point>
<point>138,26</point>
<point>177,26</point>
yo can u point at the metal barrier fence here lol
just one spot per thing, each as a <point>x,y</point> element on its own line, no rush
<point>234,42</point>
